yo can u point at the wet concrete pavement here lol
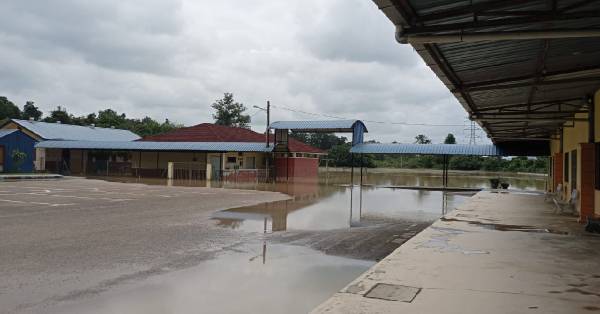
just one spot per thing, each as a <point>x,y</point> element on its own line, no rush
<point>70,239</point>
<point>496,253</point>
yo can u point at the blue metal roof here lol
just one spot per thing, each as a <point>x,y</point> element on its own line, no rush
<point>57,131</point>
<point>158,146</point>
<point>427,149</point>
<point>5,132</point>
<point>317,126</point>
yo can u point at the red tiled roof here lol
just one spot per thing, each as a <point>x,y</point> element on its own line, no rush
<point>208,132</point>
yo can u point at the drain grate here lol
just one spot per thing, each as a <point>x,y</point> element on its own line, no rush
<point>385,291</point>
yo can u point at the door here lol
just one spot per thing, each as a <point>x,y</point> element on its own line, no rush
<point>250,163</point>
<point>215,162</point>
<point>573,158</point>
<point>1,158</point>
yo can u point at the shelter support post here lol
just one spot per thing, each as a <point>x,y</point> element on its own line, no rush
<point>361,187</point>
<point>351,185</point>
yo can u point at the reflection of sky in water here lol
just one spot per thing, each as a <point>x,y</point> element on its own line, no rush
<point>293,279</point>
<point>329,205</point>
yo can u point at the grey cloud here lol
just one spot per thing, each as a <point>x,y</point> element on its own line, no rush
<point>172,59</point>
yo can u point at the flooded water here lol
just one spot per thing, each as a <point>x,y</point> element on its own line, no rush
<point>251,279</point>
<point>299,251</point>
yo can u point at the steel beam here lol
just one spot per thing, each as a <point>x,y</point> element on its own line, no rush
<point>530,77</point>
<point>470,9</point>
<point>496,36</point>
<point>553,82</point>
<point>478,25</point>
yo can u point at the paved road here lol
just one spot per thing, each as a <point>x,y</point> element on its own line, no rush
<point>65,239</point>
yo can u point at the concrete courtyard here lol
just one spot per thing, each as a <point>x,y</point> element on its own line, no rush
<point>72,238</point>
<point>497,253</point>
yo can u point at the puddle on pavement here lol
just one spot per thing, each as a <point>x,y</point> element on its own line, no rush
<point>328,207</point>
<point>278,279</point>
<point>504,227</point>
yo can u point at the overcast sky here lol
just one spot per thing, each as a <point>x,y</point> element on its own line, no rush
<point>172,59</point>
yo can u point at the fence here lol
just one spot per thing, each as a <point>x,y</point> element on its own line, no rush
<point>246,175</point>
<point>191,171</point>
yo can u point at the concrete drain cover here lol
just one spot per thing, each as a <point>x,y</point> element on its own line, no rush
<point>390,292</point>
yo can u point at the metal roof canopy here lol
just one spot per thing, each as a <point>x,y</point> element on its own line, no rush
<point>501,149</point>
<point>158,146</point>
<point>427,149</point>
<point>520,68</point>
<point>58,131</point>
<point>323,126</point>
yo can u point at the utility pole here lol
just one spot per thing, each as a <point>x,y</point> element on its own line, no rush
<point>268,121</point>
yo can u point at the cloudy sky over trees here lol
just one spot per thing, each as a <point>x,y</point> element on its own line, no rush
<point>173,58</point>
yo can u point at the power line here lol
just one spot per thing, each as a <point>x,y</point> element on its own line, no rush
<point>370,121</point>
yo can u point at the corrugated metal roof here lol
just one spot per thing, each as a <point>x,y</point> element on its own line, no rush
<point>515,89</point>
<point>57,131</point>
<point>427,149</point>
<point>4,133</point>
<point>209,132</point>
<point>317,126</point>
<point>158,146</point>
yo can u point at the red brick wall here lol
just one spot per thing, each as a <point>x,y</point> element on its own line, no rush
<point>587,180</point>
<point>558,169</point>
<point>296,168</point>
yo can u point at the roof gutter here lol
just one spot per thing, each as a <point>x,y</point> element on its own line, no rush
<point>402,38</point>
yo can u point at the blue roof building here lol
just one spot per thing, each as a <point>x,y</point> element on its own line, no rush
<point>12,143</point>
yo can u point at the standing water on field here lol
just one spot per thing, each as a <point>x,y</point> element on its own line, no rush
<point>294,254</point>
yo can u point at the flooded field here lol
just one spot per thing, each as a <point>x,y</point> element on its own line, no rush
<point>142,247</point>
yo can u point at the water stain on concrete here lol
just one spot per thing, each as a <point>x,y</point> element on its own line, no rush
<point>505,227</point>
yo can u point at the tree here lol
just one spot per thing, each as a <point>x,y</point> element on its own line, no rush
<point>450,139</point>
<point>59,114</point>
<point>422,139</point>
<point>18,157</point>
<point>31,111</point>
<point>8,110</point>
<point>230,113</point>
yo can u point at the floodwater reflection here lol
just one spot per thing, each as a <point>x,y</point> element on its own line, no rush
<point>290,279</point>
<point>257,276</point>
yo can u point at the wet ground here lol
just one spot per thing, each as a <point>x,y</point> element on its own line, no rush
<point>498,253</point>
<point>79,246</point>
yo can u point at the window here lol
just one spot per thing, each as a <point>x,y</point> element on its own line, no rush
<point>566,168</point>
<point>231,160</point>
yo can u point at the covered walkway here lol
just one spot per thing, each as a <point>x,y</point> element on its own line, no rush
<point>498,253</point>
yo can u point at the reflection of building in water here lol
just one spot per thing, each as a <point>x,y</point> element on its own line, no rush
<point>303,195</point>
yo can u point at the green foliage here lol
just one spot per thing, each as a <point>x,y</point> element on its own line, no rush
<point>59,115</point>
<point>230,113</point>
<point>422,139</point>
<point>340,157</point>
<point>450,139</point>
<point>324,141</point>
<point>31,111</point>
<point>104,118</point>
<point>18,158</point>
<point>8,110</point>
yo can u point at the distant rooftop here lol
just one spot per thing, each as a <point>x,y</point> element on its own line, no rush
<point>332,126</point>
<point>69,132</point>
<point>427,149</point>
<point>158,146</point>
<point>209,132</point>
<point>4,133</point>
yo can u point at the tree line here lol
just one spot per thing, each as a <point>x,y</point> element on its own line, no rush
<point>104,118</point>
<point>227,112</point>
<point>339,156</point>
